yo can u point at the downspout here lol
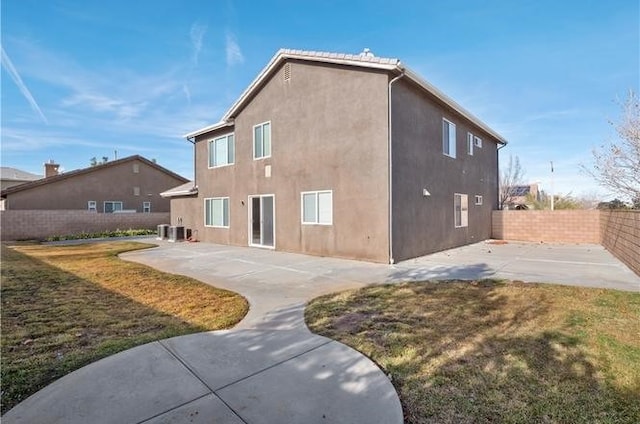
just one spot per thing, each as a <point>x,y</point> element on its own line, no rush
<point>390,168</point>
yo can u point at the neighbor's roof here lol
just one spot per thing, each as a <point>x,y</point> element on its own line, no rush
<point>13,174</point>
<point>362,60</point>
<point>71,174</point>
<point>186,189</point>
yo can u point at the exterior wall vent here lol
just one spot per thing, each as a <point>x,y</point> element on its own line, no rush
<point>287,71</point>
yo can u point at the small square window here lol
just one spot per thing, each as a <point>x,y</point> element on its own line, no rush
<point>477,141</point>
<point>92,206</point>
<point>478,200</point>
<point>146,207</point>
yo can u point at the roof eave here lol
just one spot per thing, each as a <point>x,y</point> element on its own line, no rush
<point>223,123</point>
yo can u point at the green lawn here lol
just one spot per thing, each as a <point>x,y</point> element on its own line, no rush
<point>485,352</point>
<point>66,306</point>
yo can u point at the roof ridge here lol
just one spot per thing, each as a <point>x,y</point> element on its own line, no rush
<point>361,57</point>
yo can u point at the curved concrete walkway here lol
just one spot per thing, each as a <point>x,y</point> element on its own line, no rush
<point>270,368</point>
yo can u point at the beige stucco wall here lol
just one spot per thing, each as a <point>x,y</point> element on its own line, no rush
<point>107,183</point>
<point>329,132</point>
<point>422,224</point>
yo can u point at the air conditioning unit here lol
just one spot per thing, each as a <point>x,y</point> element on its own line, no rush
<point>176,233</point>
<point>163,232</point>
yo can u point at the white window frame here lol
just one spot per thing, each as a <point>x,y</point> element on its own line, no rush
<point>464,211</point>
<point>104,205</point>
<point>136,168</point>
<point>477,141</point>
<point>261,126</point>
<point>92,206</point>
<point>212,224</point>
<point>317,194</point>
<point>478,200</point>
<point>231,152</point>
<point>449,143</point>
<point>470,138</point>
<point>146,207</point>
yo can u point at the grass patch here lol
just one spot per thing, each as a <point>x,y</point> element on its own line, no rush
<point>66,306</point>
<point>486,351</point>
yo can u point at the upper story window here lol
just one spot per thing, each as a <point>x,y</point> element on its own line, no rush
<point>146,207</point>
<point>262,140</point>
<point>136,168</point>
<point>477,141</point>
<point>221,151</point>
<point>448,138</point>
<point>470,144</point>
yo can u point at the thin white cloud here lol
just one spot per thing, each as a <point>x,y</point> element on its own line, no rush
<point>187,92</point>
<point>15,76</point>
<point>197,35</point>
<point>234,54</point>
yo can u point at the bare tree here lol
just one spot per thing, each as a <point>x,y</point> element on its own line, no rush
<point>510,179</point>
<point>616,165</point>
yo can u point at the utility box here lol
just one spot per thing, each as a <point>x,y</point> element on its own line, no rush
<point>176,233</point>
<point>163,232</point>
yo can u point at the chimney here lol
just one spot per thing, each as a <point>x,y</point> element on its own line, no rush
<point>51,169</point>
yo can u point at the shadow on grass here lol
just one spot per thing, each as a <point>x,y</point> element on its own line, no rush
<point>477,352</point>
<point>54,322</point>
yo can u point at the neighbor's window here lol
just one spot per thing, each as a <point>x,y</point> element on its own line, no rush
<point>136,168</point>
<point>146,207</point>
<point>448,138</point>
<point>111,206</point>
<point>461,210</point>
<point>317,207</point>
<point>478,200</point>
<point>92,206</point>
<point>262,140</point>
<point>470,144</point>
<point>477,141</point>
<point>216,212</point>
<point>221,151</point>
<point>136,191</point>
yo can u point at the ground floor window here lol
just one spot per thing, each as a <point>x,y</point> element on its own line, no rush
<point>146,207</point>
<point>111,206</point>
<point>216,212</point>
<point>461,210</point>
<point>92,206</point>
<point>317,207</point>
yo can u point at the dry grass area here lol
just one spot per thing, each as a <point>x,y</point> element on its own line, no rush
<point>486,352</point>
<point>66,306</point>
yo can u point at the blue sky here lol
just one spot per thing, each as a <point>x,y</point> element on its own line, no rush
<point>84,78</point>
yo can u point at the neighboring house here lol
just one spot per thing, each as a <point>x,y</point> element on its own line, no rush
<point>131,184</point>
<point>522,196</point>
<point>10,177</point>
<point>351,156</point>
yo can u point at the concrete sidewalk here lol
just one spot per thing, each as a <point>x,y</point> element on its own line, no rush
<point>270,368</point>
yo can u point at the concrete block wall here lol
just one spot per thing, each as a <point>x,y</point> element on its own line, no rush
<point>564,226</point>
<point>40,224</point>
<point>621,236</point>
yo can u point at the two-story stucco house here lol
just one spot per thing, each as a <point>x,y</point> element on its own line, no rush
<point>352,156</point>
